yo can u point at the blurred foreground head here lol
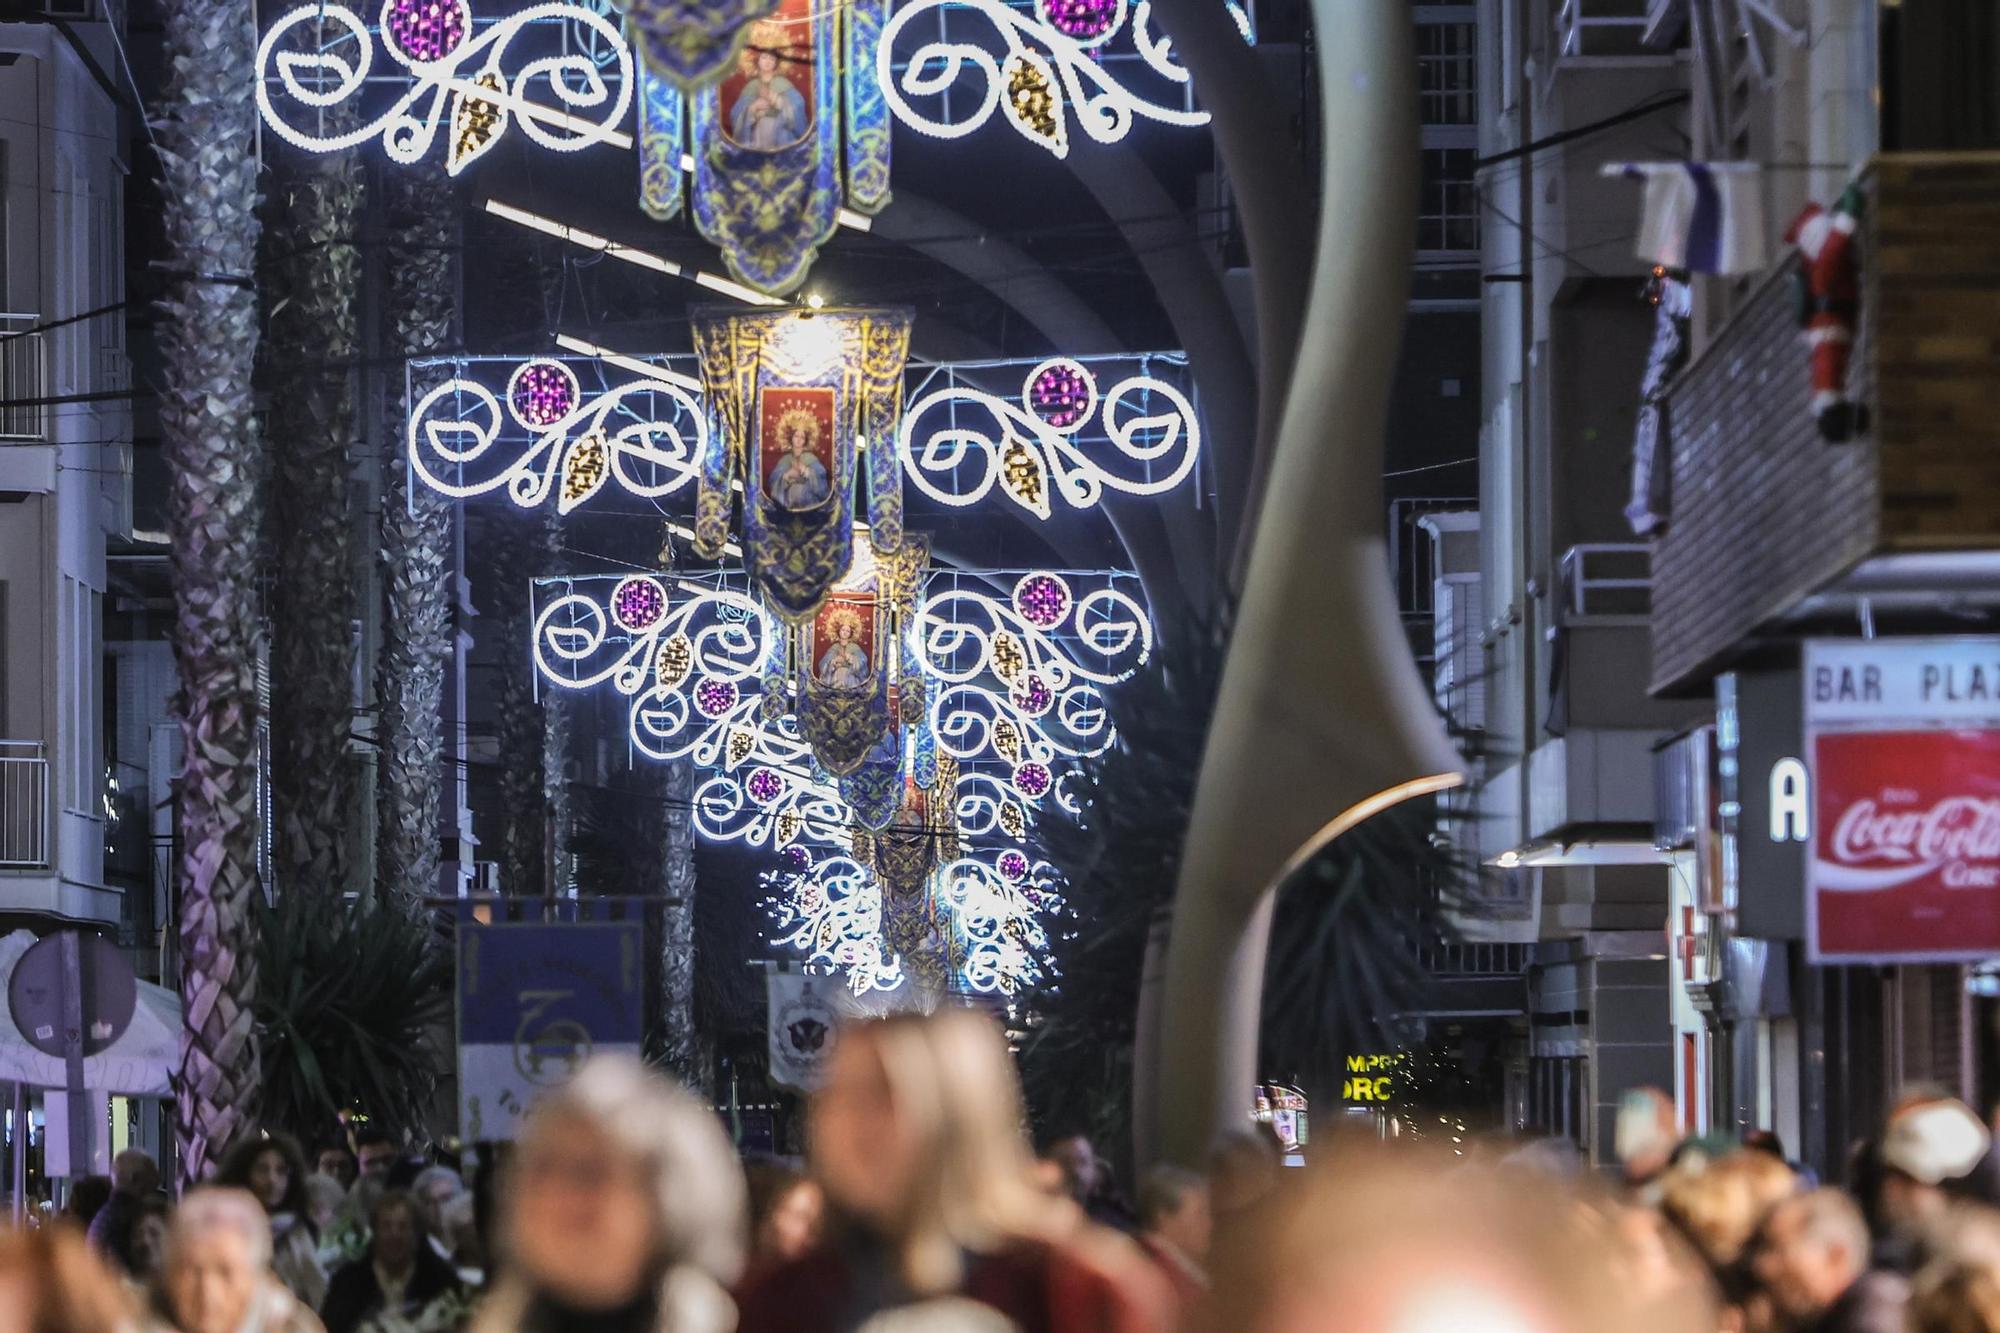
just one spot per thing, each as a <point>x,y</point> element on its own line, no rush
<point>1381,1240</point>
<point>624,1194</point>
<point>917,1135</point>
<point>51,1283</point>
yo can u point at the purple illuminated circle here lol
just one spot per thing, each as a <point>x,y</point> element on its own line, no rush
<point>1013,867</point>
<point>542,393</point>
<point>714,697</point>
<point>425,30</point>
<point>1033,696</point>
<point>1086,21</point>
<point>797,859</point>
<point>638,603</point>
<point>1033,780</point>
<point>1042,600</point>
<point>765,786</point>
<point>1061,393</point>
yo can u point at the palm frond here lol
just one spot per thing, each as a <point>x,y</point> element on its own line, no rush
<point>354,1021</point>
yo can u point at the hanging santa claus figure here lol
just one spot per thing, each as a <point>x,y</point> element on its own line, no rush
<point>1829,289</point>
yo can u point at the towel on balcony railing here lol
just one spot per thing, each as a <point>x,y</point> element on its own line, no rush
<point>1705,217</point>
<point>1652,465</point>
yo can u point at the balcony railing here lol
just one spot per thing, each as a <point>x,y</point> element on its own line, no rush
<point>1606,31</point>
<point>24,378</point>
<point>24,805</point>
<point>1606,581</point>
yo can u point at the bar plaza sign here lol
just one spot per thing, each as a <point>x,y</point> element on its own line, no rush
<point>1899,803</point>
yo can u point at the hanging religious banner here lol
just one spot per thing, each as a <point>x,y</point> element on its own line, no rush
<point>692,43</point>
<point>785,130</point>
<point>856,695</point>
<point>795,395</point>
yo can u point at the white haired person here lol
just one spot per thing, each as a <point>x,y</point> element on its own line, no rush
<point>622,1212</point>
<point>215,1275</point>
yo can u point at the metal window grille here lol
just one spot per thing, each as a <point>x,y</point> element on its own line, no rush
<point>24,805</point>
<point>1445,73</point>
<point>1448,217</point>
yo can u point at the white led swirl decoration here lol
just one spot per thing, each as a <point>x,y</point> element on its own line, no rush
<point>1020,682</point>
<point>1045,77</point>
<point>959,443</point>
<point>474,81</point>
<point>832,913</point>
<point>546,438</point>
<point>999,941</point>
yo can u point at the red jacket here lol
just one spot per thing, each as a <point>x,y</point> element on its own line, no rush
<point>1042,1288</point>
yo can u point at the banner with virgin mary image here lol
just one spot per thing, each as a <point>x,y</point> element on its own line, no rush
<point>789,129</point>
<point>794,392</point>
<point>691,43</point>
<point>851,675</point>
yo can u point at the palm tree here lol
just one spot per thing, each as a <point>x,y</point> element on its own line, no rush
<point>208,336</point>
<point>520,734</point>
<point>416,535</point>
<point>314,286</point>
<point>677,887</point>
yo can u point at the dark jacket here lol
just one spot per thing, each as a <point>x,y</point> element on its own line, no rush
<point>354,1297</point>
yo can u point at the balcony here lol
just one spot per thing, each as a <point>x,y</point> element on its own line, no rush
<point>1775,531</point>
<point>24,379</point>
<point>1608,33</point>
<point>24,805</point>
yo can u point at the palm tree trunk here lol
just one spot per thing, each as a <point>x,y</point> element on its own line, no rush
<point>208,336</point>
<point>556,732</point>
<point>520,733</point>
<point>416,536</point>
<point>677,886</point>
<point>314,297</point>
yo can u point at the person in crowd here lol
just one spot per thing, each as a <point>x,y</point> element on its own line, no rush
<point>1812,1262</point>
<point>324,1200</point>
<point>1175,1229</point>
<point>622,1212</point>
<point>273,1169</point>
<point>786,1213</point>
<point>399,1277</point>
<point>135,1176</point>
<point>215,1275</point>
<point>51,1282</point>
<point>1717,1204</point>
<point>336,1159</point>
<point>435,1188</point>
<point>376,1155</point>
<point>1958,1290</point>
<point>146,1246</point>
<point>87,1198</point>
<point>916,1139</point>
<point>1091,1182</point>
<point>1645,1136</point>
<point>1397,1240</point>
<point>1931,1146</point>
<point>1244,1168</point>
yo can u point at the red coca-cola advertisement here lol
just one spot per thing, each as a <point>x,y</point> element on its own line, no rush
<point>1906,845</point>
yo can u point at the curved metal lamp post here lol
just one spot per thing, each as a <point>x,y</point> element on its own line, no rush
<point>1322,719</point>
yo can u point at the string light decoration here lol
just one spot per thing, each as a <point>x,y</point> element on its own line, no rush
<point>1045,75</point>
<point>1062,392</point>
<point>558,69</point>
<point>1058,438</point>
<point>645,436</point>
<point>1085,22</point>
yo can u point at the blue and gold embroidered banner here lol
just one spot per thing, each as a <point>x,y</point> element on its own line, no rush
<point>793,129</point>
<point>793,392</point>
<point>692,43</point>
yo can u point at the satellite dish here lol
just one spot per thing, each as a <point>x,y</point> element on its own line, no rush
<point>35,994</point>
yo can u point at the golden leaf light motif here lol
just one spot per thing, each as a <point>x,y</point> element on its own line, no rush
<point>585,468</point>
<point>1024,477</point>
<point>787,829</point>
<point>476,122</point>
<point>1009,659</point>
<point>675,660</point>
<point>1013,820</point>
<point>1007,741</point>
<point>741,742</point>
<point>1033,102</point>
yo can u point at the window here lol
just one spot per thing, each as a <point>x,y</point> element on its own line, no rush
<point>1448,214</point>
<point>1445,64</point>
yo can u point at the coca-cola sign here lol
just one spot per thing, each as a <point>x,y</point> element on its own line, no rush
<point>1906,844</point>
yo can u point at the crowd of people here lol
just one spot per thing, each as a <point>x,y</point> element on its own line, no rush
<point>921,1208</point>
